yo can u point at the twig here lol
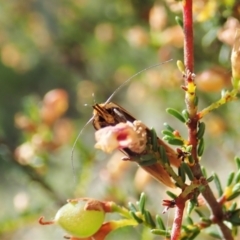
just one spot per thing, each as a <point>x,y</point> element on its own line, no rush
<point>214,206</point>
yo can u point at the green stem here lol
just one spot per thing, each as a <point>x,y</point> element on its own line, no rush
<point>226,98</point>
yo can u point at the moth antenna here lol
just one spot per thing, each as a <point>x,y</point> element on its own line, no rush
<point>74,145</point>
<point>94,99</point>
<point>129,79</point>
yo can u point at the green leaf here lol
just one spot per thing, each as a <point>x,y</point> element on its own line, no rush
<point>230,178</point>
<point>160,232</point>
<point>189,220</point>
<point>179,21</point>
<point>234,217</point>
<point>200,149</point>
<point>176,114</point>
<point>236,188</point>
<point>234,195</point>
<point>199,213</point>
<point>171,195</point>
<point>215,235</point>
<point>142,202</point>
<point>233,206</point>
<point>149,220</point>
<point>218,184</point>
<point>204,172</point>
<point>168,133</point>
<point>175,141</point>
<point>154,139</point>
<point>237,160</point>
<point>188,171</point>
<point>135,217</point>
<point>237,177</point>
<point>185,114</point>
<point>201,130</point>
<point>168,127</point>
<point>163,154</point>
<point>181,173</point>
<point>190,207</point>
<point>160,222</point>
<point>195,101</point>
<point>210,179</point>
<point>132,207</point>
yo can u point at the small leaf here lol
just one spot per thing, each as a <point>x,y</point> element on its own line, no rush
<point>135,217</point>
<point>237,160</point>
<point>181,173</point>
<point>201,130</point>
<point>234,195</point>
<point>188,171</point>
<point>218,184</point>
<point>234,217</point>
<point>210,179</point>
<point>190,207</point>
<point>195,234</point>
<point>230,178</point>
<point>142,202</point>
<point>236,188</point>
<point>179,21</point>
<point>149,220</point>
<point>189,220</point>
<point>176,114</point>
<point>195,101</point>
<point>160,232</point>
<point>199,213</point>
<point>168,133</point>
<point>200,149</point>
<point>185,114</point>
<point>204,172</point>
<point>160,222</point>
<point>154,139</point>
<point>147,162</point>
<point>163,155</point>
<point>175,141</point>
<point>171,195</point>
<point>237,177</point>
<point>233,207</point>
<point>191,160</point>
<point>168,127</point>
<point>132,207</point>
<point>215,235</point>
<point>206,221</point>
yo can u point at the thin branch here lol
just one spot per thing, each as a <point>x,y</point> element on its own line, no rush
<point>178,216</point>
<point>190,97</point>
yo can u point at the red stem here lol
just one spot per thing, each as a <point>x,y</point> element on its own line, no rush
<point>188,32</point>
<point>208,195</point>
<point>178,216</point>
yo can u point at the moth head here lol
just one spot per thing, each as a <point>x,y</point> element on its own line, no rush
<point>102,116</point>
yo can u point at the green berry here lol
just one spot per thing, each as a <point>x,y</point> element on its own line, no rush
<point>77,221</point>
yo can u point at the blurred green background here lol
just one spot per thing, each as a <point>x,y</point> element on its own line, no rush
<point>54,55</point>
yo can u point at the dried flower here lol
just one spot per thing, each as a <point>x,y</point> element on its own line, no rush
<point>123,135</point>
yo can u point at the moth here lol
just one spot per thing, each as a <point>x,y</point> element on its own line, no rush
<point>110,114</point>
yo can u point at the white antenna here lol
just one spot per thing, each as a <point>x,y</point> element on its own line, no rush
<point>129,79</point>
<point>74,145</point>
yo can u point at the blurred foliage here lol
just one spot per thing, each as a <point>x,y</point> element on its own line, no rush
<point>81,47</point>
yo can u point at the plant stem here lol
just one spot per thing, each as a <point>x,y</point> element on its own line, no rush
<point>188,33</point>
<point>177,223</point>
<point>190,97</point>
